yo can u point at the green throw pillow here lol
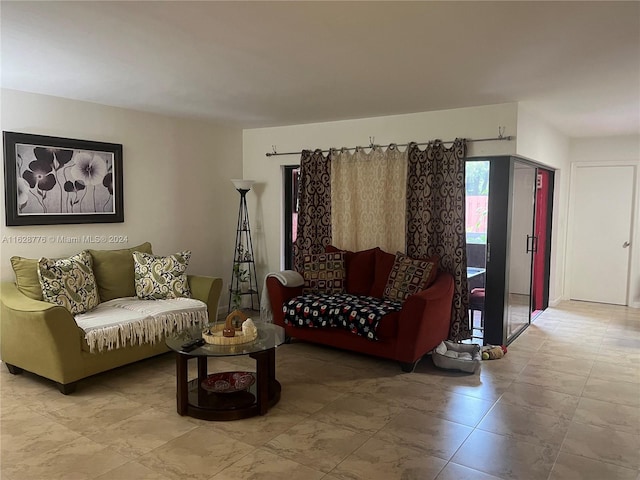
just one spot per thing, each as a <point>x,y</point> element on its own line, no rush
<point>27,281</point>
<point>159,278</point>
<point>69,282</point>
<point>114,271</point>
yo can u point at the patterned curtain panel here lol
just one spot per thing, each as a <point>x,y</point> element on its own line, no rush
<point>314,207</point>
<point>368,199</point>
<point>436,218</point>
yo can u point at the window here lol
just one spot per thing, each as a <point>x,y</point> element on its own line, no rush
<point>291,175</point>
<point>477,200</point>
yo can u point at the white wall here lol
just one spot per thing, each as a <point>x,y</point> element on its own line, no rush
<point>537,140</point>
<point>177,192</point>
<point>623,149</point>
<point>265,201</point>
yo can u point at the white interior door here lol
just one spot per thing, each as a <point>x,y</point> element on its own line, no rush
<point>600,222</point>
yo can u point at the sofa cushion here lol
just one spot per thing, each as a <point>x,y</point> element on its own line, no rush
<point>383,266</point>
<point>69,282</point>
<point>159,277</point>
<point>27,280</point>
<point>114,273</point>
<point>359,268</point>
<point>408,276</point>
<point>324,273</point>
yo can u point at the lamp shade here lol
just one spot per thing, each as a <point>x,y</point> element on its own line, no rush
<point>242,184</point>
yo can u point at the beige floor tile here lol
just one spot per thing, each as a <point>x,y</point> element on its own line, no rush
<point>622,393</point>
<point>265,465</point>
<point>576,364</point>
<point>79,459</point>
<point>620,356</point>
<point>505,457</point>
<point>603,444</point>
<point>453,471</point>
<point>608,415</point>
<point>315,444</point>
<point>306,398</point>
<point>357,413</point>
<point>616,372</point>
<point>258,430</point>
<point>573,467</point>
<point>556,381</point>
<point>196,455</point>
<point>392,390</point>
<point>378,460</point>
<point>132,471</point>
<point>525,425</point>
<point>99,412</point>
<point>435,436</point>
<point>540,400</point>
<point>143,432</point>
<point>452,406</point>
<point>26,434</point>
<point>40,429</point>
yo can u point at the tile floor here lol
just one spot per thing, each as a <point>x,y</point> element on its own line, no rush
<point>563,404</point>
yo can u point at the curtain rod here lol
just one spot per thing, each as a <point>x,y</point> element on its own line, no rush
<point>371,145</point>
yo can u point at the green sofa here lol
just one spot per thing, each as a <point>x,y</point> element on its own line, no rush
<point>44,339</point>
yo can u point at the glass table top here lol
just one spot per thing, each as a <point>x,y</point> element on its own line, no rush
<point>269,336</point>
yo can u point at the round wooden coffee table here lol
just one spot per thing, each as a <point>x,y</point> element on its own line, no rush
<point>227,395</point>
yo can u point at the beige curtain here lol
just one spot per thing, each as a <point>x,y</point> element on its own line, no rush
<point>368,199</point>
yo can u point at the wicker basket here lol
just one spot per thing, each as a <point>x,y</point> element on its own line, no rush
<point>217,333</point>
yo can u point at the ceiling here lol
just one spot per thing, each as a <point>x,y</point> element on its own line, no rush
<point>257,64</point>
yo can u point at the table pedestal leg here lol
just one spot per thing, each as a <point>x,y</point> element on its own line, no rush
<point>265,373</point>
<point>182,383</point>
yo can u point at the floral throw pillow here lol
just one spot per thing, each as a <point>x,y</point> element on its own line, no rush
<point>324,273</point>
<point>69,282</point>
<point>408,276</point>
<point>161,278</point>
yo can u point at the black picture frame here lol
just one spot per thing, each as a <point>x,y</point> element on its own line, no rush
<point>55,181</point>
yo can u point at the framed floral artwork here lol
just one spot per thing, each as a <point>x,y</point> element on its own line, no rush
<point>52,180</point>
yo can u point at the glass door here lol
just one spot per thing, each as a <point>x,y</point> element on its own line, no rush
<point>518,246</point>
<point>522,243</point>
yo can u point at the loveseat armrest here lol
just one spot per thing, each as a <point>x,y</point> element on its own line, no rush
<point>425,319</point>
<point>279,294</point>
<point>207,290</point>
<point>38,336</point>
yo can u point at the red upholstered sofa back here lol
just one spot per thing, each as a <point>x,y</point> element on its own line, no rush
<point>367,271</point>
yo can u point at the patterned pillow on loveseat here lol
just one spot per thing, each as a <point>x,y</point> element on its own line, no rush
<point>409,276</point>
<point>324,273</point>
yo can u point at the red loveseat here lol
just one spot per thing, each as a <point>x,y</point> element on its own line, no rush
<point>404,336</point>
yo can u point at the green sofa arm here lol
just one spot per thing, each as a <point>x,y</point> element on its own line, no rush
<point>207,290</point>
<point>38,336</point>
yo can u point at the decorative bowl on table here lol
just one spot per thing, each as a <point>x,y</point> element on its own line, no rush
<point>228,382</point>
<point>227,334</point>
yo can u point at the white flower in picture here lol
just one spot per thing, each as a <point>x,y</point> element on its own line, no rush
<point>90,168</point>
<point>23,192</point>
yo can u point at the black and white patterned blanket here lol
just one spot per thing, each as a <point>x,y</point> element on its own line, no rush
<point>359,314</point>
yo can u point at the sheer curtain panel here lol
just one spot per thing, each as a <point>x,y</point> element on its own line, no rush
<point>368,199</point>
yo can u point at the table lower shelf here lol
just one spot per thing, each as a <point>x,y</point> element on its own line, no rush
<point>208,405</point>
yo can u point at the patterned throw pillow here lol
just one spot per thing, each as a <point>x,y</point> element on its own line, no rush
<point>408,276</point>
<point>161,278</point>
<point>324,273</point>
<point>69,282</point>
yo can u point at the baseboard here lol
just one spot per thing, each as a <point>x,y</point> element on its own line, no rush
<point>555,302</point>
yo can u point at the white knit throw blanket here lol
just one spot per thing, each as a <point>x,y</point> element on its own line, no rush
<point>288,278</point>
<point>132,321</point>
